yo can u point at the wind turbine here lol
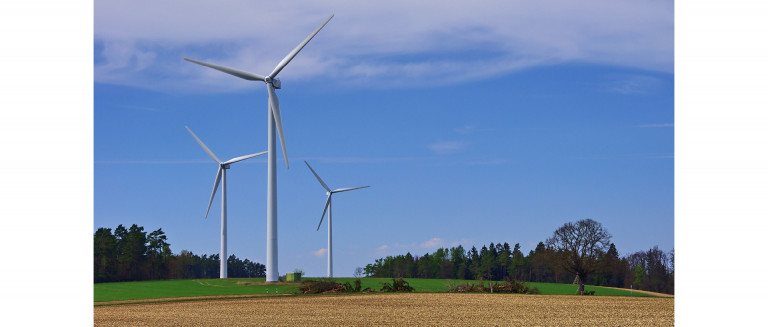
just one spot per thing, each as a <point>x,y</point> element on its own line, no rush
<point>328,208</point>
<point>273,121</point>
<point>221,176</point>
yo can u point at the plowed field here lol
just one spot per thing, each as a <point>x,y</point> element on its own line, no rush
<point>415,309</point>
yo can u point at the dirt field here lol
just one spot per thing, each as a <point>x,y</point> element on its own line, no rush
<point>397,310</point>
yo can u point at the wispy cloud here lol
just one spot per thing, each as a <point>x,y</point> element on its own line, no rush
<point>139,108</point>
<point>447,147</point>
<point>656,125</point>
<point>355,160</point>
<point>150,162</point>
<point>171,162</point>
<point>471,129</point>
<point>629,156</point>
<point>372,44</point>
<point>633,84</point>
<point>320,252</point>
<point>465,129</point>
<point>488,162</point>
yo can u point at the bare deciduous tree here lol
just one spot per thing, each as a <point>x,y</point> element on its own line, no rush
<point>579,244</point>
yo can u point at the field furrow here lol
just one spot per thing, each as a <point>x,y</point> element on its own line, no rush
<point>420,309</point>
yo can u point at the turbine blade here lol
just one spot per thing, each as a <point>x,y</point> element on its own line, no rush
<point>274,105</point>
<point>327,203</point>
<point>318,177</point>
<point>296,50</point>
<point>210,153</point>
<point>215,187</point>
<point>233,160</point>
<point>231,71</point>
<point>348,189</point>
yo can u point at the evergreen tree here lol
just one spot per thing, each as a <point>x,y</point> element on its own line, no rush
<point>158,251</point>
<point>517,264</point>
<point>104,255</point>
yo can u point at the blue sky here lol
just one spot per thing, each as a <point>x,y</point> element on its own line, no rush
<point>472,124</point>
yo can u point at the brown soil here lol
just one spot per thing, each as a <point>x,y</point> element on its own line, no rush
<point>410,309</point>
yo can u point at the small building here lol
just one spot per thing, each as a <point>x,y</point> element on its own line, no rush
<point>293,277</point>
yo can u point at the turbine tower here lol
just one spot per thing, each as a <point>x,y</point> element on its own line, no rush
<point>273,121</point>
<point>221,176</point>
<point>330,222</point>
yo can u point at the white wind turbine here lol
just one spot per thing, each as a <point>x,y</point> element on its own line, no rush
<point>273,121</point>
<point>221,176</point>
<point>330,222</point>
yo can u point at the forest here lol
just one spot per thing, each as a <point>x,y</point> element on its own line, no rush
<point>651,270</point>
<point>131,255</point>
<point>579,252</point>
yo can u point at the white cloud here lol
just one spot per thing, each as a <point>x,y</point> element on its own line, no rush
<point>433,243</point>
<point>372,43</point>
<point>447,147</point>
<point>417,248</point>
<point>382,250</point>
<point>320,252</point>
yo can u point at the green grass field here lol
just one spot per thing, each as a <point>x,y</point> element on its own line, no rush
<point>441,285</point>
<point>185,287</point>
<point>247,286</point>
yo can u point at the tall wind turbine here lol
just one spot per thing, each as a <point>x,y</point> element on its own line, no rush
<point>273,121</point>
<point>330,222</point>
<point>221,176</point>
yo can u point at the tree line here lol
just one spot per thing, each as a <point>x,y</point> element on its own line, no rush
<point>132,255</point>
<point>560,259</point>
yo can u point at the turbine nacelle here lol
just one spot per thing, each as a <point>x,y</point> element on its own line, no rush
<point>274,81</point>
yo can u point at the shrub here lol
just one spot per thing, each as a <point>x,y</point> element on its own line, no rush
<point>319,286</point>
<point>398,285</point>
<point>509,286</point>
<point>452,287</point>
<point>347,288</point>
<point>329,286</point>
<point>466,287</point>
<point>515,286</point>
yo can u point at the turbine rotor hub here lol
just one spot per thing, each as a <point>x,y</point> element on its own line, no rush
<point>274,81</point>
